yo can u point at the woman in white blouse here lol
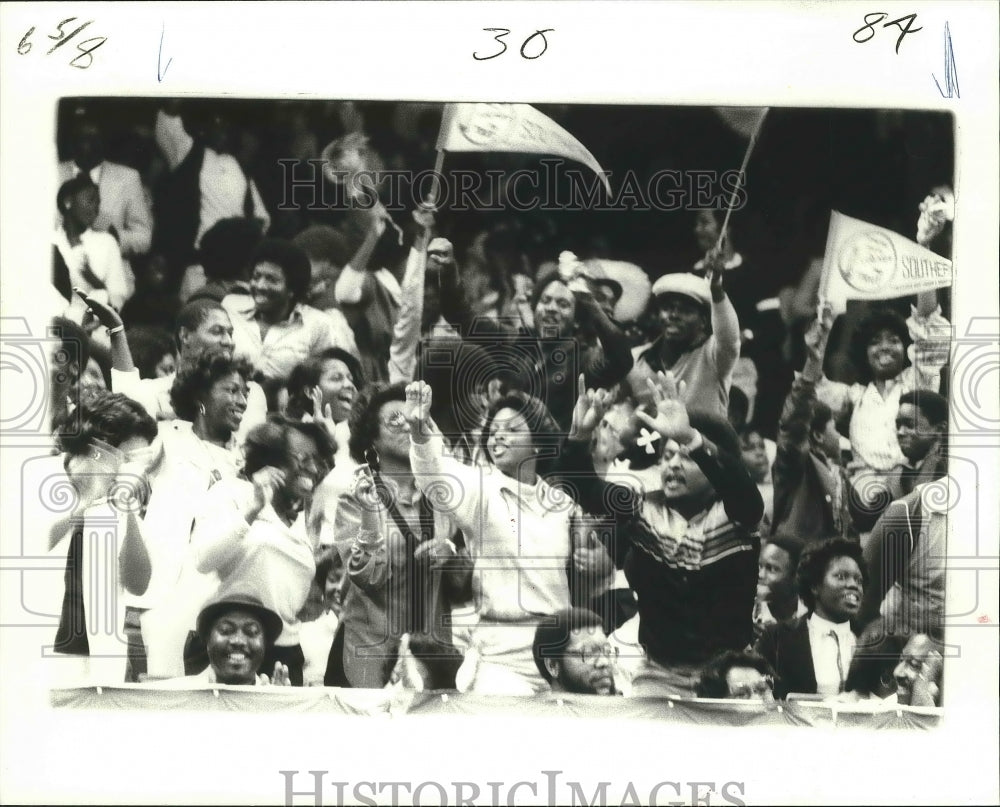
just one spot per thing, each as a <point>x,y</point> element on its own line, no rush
<point>251,531</point>
<point>518,528</point>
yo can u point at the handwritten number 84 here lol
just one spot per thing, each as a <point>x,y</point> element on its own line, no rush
<point>524,47</point>
<point>869,27</point>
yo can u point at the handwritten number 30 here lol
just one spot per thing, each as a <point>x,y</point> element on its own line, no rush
<point>499,39</point>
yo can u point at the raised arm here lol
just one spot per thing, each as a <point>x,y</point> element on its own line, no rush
<point>406,331</point>
<point>436,472</point>
<point>725,323</point>
<point>359,533</point>
<point>887,553</point>
<point>121,356</point>
<point>350,287</point>
<point>616,361</point>
<point>726,472</point>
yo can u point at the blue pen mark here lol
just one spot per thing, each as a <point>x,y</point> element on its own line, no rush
<point>950,71</point>
<point>162,71</point>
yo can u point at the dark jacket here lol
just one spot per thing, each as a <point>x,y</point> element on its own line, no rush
<point>686,615</point>
<point>807,503</point>
<point>786,647</point>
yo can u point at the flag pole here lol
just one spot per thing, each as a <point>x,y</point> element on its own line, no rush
<point>743,168</point>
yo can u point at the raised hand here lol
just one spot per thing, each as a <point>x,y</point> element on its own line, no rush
<point>671,419</point>
<point>440,255</point>
<point>936,209</point>
<point>423,215</point>
<point>103,312</point>
<point>591,406</point>
<point>715,270</point>
<point>819,332</point>
<point>418,410</point>
<point>590,557</point>
<point>365,490</point>
<point>322,414</point>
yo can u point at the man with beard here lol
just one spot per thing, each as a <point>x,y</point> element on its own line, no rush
<point>918,674</point>
<point>573,655</point>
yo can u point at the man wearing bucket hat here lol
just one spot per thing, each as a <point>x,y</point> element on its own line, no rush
<point>699,344</point>
<point>238,629</point>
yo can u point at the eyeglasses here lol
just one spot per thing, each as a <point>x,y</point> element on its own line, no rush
<point>396,421</point>
<point>590,655</point>
<point>751,691</point>
<point>304,460</point>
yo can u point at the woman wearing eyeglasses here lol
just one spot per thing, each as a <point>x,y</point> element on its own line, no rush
<point>520,533</point>
<point>251,530</point>
<point>737,675</point>
<point>105,444</point>
<point>404,566</point>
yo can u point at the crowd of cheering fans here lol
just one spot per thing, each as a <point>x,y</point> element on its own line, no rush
<point>350,454</point>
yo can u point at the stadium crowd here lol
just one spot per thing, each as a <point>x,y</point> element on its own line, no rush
<point>353,452</point>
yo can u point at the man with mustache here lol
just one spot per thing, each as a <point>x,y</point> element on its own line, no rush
<point>573,654</point>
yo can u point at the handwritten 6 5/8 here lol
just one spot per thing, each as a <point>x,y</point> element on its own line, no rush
<point>85,56</point>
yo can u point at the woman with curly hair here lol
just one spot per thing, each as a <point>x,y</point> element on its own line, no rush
<point>403,563</point>
<point>251,531</point>
<point>520,531</point>
<point>322,389</point>
<point>812,654</point>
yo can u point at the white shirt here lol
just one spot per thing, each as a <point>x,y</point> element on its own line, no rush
<point>153,394</point>
<point>277,560</point>
<point>825,650</point>
<point>307,332</point>
<point>98,251</point>
<point>222,182</point>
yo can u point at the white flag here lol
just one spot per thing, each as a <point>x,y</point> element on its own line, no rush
<point>510,127</point>
<point>867,262</point>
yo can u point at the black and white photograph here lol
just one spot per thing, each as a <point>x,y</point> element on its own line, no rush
<point>349,430</point>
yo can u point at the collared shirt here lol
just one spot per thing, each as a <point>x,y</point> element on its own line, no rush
<point>306,332</point>
<point>124,204</point>
<point>518,535</point>
<point>831,656</point>
<point>153,394</point>
<point>99,253</point>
